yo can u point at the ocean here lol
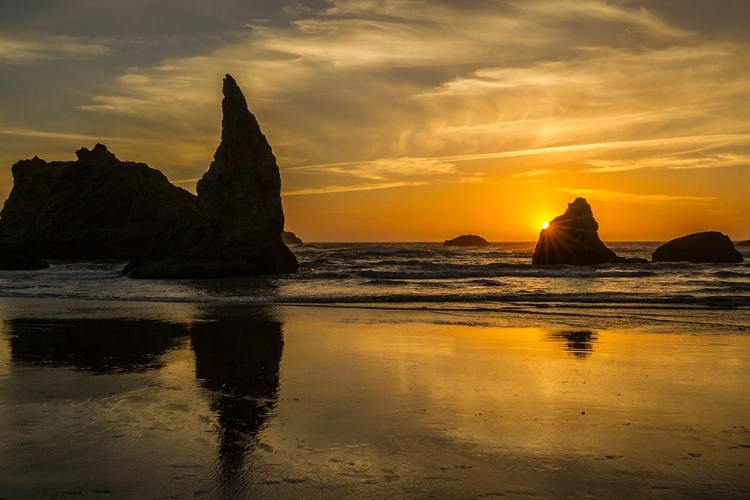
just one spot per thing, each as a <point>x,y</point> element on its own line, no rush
<point>429,276</point>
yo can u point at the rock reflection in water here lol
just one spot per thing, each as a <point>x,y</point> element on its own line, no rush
<point>237,359</point>
<point>578,342</point>
<point>99,345</point>
<point>237,356</point>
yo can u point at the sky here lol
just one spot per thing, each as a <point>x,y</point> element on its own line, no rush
<point>407,120</point>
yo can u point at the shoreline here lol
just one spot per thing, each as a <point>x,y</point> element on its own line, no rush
<point>713,321</point>
<point>151,400</point>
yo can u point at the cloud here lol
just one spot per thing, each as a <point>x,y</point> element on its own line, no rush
<point>532,173</point>
<point>23,51</point>
<point>350,188</point>
<point>72,136</point>
<point>675,162</point>
<point>363,94</point>
<point>649,199</point>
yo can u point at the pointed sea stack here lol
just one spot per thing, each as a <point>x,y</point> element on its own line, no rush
<point>573,238</point>
<point>709,247</point>
<point>238,218</point>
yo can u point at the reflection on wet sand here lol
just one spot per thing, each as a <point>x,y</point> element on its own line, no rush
<point>580,343</point>
<point>237,359</point>
<point>369,404</point>
<point>99,345</point>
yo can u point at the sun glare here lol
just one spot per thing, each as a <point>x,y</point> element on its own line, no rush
<point>545,225</point>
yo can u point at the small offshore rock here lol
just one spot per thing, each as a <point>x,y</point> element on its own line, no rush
<point>467,240</point>
<point>289,238</point>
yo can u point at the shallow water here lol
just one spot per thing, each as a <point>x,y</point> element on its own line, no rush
<point>110,399</point>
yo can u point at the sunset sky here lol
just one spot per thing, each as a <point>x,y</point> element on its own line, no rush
<point>408,120</point>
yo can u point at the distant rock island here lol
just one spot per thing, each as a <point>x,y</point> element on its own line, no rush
<point>289,238</point>
<point>100,207</point>
<point>467,240</point>
<point>706,247</point>
<point>745,243</point>
<point>573,238</point>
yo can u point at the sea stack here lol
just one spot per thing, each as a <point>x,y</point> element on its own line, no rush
<point>96,207</point>
<point>708,247</point>
<point>573,238</point>
<point>238,219</point>
<point>289,238</point>
<point>467,240</point>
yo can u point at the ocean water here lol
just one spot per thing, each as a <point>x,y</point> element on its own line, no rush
<point>429,276</point>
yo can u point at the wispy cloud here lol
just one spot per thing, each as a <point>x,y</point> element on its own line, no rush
<point>350,188</point>
<point>444,164</point>
<point>532,173</point>
<point>20,50</point>
<point>650,199</point>
<point>71,136</point>
<point>676,162</point>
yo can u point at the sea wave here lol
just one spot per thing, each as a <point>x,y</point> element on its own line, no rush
<point>416,276</point>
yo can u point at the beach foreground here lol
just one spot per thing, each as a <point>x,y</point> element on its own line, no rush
<point>112,399</point>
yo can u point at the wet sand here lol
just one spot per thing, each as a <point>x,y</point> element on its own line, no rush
<point>134,400</point>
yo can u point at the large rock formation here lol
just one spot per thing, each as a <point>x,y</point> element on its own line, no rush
<point>705,247</point>
<point>573,238</point>
<point>289,238</point>
<point>100,207</point>
<point>238,219</point>
<point>94,207</point>
<point>467,240</point>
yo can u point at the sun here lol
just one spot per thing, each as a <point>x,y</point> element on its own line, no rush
<point>545,225</point>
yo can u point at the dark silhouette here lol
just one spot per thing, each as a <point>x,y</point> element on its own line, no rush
<point>745,243</point>
<point>706,247</point>
<point>100,207</point>
<point>289,238</point>
<point>238,219</point>
<point>573,238</point>
<point>10,262</point>
<point>578,342</point>
<point>99,345</point>
<point>237,360</point>
<point>467,240</point>
<point>94,207</point>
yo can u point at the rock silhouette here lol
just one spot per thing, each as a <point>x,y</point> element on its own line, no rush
<point>99,207</point>
<point>745,243</point>
<point>289,238</point>
<point>573,238</point>
<point>16,263</point>
<point>466,240</point>
<point>238,220</point>
<point>705,247</point>
<point>94,207</point>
